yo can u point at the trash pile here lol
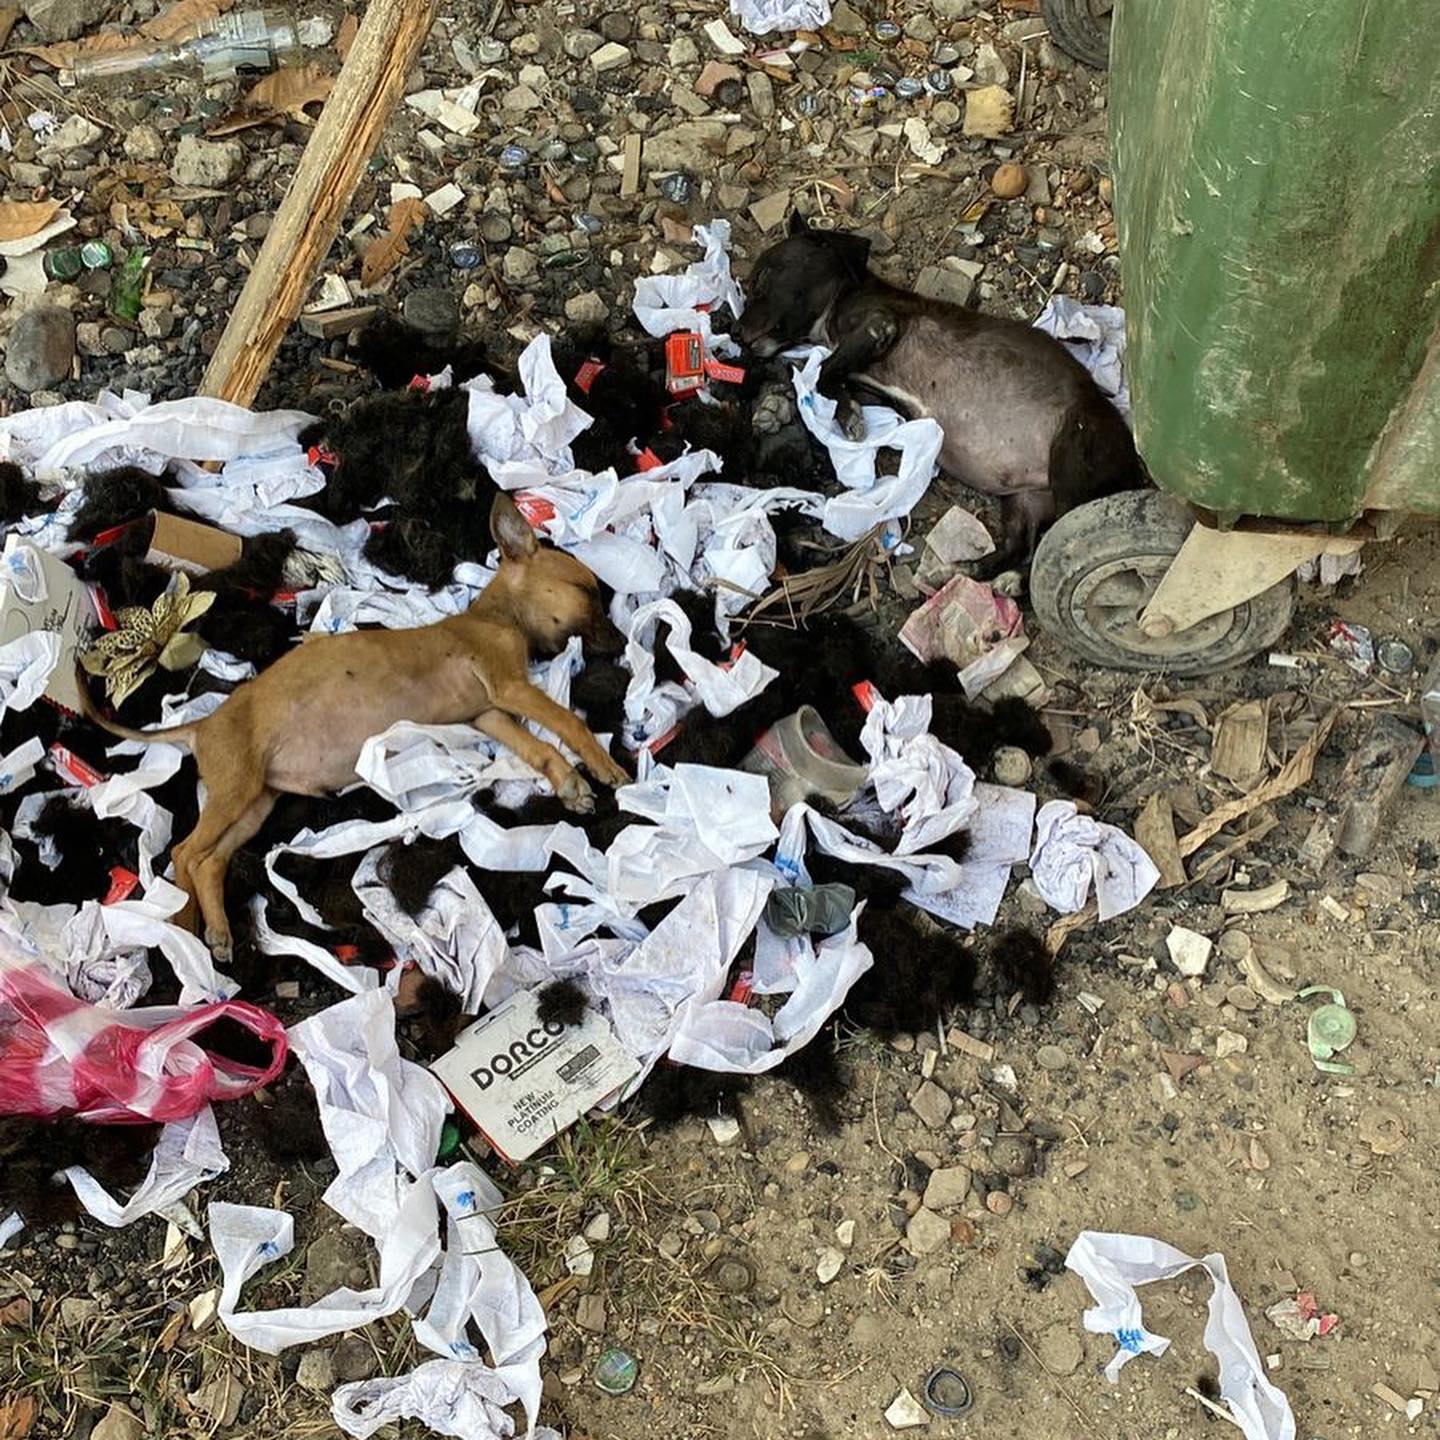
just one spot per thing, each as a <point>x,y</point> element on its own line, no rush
<point>808,837</point>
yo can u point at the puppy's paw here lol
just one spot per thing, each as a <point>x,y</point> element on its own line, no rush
<point>851,420</point>
<point>613,774</point>
<point>221,945</point>
<point>575,795</point>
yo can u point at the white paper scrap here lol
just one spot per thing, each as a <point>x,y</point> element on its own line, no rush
<point>1074,851</point>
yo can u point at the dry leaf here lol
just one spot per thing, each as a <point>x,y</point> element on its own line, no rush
<point>8,16</point>
<point>63,54</point>
<point>385,253</point>
<point>21,218</point>
<point>184,19</point>
<point>345,35</point>
<point>17,1416</point>
<point>289,90</point>
<point>407,215</point>
<point>15,1314</point>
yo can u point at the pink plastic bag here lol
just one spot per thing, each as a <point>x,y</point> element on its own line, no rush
<point>62,1056</point>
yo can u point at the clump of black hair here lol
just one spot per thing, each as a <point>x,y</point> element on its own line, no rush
<point>19,497</point>
<point>1023,962</point>
<point>920,973</point>
<point>815,1071</point>
<point>438,1016</point>
<point>34,1152</point>
<point>256,575</point>
<point>673,1092</point>
<point>89,848</point>
<point>396,354</point>
<point>116,497</point>
<point>1072,780</point>
<point>626,402</point>
<point>284,1118</point>
<point>562,1002</point>
<point>411,872</point>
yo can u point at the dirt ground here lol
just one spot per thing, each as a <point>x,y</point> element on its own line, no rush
<point>1075,1121</point>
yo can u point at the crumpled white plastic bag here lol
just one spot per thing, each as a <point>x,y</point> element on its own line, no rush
<point>10,1226</point>
<point>868,498</point>
<point>760,17</point>
<point>664,304</point>
<point>1074,851</point>
<point>1113,1265</point>
<point>449,1396</point>
<point>916,774</point>
<point>1095,335</point>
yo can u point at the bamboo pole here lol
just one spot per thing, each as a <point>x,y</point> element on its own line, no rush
<point>367,90</point>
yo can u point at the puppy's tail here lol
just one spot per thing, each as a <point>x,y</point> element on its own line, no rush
<point>176,734</point>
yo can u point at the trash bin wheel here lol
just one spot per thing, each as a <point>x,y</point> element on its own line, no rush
<point>1077,28</point>
<point>1096,569</point>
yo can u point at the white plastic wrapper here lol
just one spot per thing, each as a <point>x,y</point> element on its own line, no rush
<point>10,1227</point>
<point>869,498</point>
<point>1095,335</point>
<point>915,774</point>
<point>18,767</point>
<point>1073,852</point>
<point>1113,1265</point>
<point>652,709</point>
<point>449,1396</point>
<point>664,304</point>
<point>26,663</point>
<point>760,17</point>
<point>187,1154</point>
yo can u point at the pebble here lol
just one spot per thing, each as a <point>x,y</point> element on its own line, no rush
<point>581,44</point>
<point>1009,180</point>
<point>143,143</point>
<point>932,1105</point>
<point>41,348</point>
<point>316,1371</point>
<point>590,1313</point>
<point>905,1412</point>
<point>997,1202</point>
<point>1051,1057</point>
<point>587,308</point>
<point>207,164</point>
<point>947,1186</point>
<point>829,1265</point>
<point>927,1232</point>
<point>353,1359</point>
<point>431,311</point>
<point>1013,1155</point>
<point>936,282</point>
<point>609,56</point>
<point>519,265</point>
<point>724,1128</point>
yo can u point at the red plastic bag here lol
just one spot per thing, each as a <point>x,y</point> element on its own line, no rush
<point>62,1056</point>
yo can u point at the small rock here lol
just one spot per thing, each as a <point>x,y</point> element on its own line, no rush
<point>926,1232</point>
<point>203,1309</point>
<point>683,51</point>
<point>41,348</point>
<point>353,1359</point>
<point>1051,1057</point>
<point>1372,888</point>
<point>1013,1155</point>
<point>905,1412</point>
<point>157,323</point>
<point>922,28</point>
<point>65,19</point>
<point>518,265</point>
<point>845,1233</point>
<point>829,1265</point>
<point>1189,951</point>
<point>946,1187</point>
<point>598,1230</point>
<point>1243,998</point>
<point>845,20</point>
<point>989,68</point>
<point>143,142</point>
<point>937,283</point>
<point>521,98</point>
<point>431,311</point>
<point>207,164</point>
<point>118,1423</point>
<point>771,211</point>
<point>590,1314</point>
<point>798,1163</point>
<point>1060,1350</point>
<point>1227,1042</point>
<point>997,1202</point>
<point>587,308</point>
<point>725,1129</point>
<point>616,25</point>
<point>932,1105</point>
<point>762,94</point>
<point>1009,180</point>
<point>581,44</point>
<point>609,56</point>
<point>316,1372</point>
<point>691,145</point>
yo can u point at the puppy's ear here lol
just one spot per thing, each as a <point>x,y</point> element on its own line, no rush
<point>510,530</point>
<point>799,225</point>
<point>854,250</point>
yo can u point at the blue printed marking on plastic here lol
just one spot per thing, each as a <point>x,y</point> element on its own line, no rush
<point>466,1199</point>
<point>1131,1340</point>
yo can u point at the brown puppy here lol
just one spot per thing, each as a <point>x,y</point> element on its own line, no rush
<point>298,727</point>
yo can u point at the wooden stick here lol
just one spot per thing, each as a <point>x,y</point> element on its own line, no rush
<point>366,91</point>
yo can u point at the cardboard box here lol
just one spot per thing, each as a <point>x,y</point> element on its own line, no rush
<point>522,1082</point>
<point>66,610</point>
<point>191,546</point>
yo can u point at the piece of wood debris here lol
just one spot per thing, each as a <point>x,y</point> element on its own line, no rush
<point>1242,734</point>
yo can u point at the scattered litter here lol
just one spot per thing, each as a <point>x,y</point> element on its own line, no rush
<point>947,1393</point>
<point>1298,1317</point>
<point>1330,1030</point>
<point>1074,852</point>
<point>958,536</point>
<point>1112,1265</point>
<point>905,1412</point>
<point>616,1371</point>
<point>1395,657</point>
<point>1354,644</point>
<point>968,624</point>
